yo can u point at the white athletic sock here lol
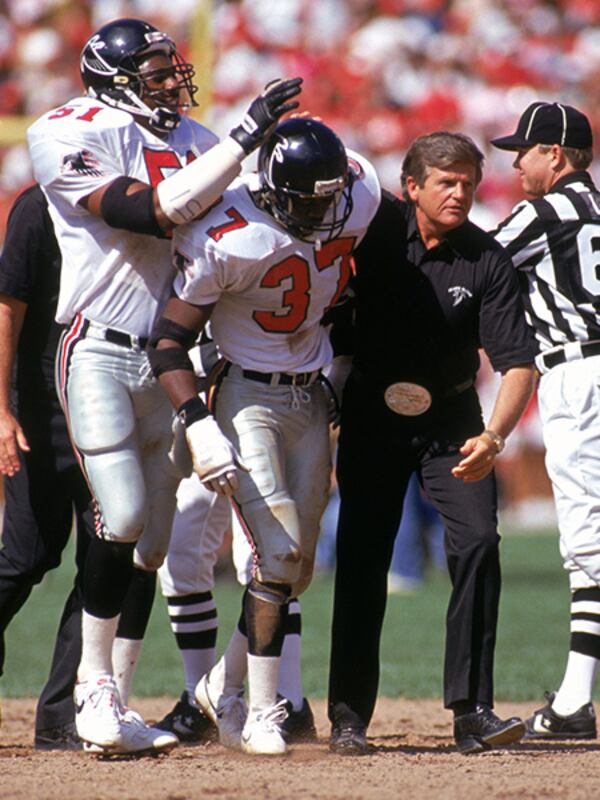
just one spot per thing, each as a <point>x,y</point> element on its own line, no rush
<point>125,654</point>
<point>263,676</point>
<point>235,662</point>
<point>290,677</point>
<point>229,673</point>
<point>576,688</point>
<point>98,636</point>
<point>196,663</point>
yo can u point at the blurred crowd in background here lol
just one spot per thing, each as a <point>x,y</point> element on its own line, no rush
<point>380,72</point>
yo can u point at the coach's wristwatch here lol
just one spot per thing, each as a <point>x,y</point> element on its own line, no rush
<point>496,439</point>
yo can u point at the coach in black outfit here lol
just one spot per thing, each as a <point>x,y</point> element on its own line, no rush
<point>42,480</point>
<point>430,289</point>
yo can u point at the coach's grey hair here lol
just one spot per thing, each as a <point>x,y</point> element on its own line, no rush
<point>440,149</point>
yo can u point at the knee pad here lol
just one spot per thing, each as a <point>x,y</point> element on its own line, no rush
<point>275,593</point>
<point>107,576</point>
<point>100,412</point>
<point>265,611</point>
<point>137,605</point>
<point>275,530</point>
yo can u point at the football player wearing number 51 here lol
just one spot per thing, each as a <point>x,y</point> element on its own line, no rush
<point>121,166</point>
<point>265,265</point>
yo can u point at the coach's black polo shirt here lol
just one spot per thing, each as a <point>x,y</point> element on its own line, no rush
<point>421,315</point>
<point>30,272</point>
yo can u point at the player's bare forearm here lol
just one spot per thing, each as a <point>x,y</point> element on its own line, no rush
<point>480,451</point>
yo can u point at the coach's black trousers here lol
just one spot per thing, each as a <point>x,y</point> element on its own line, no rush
<point>38,517</point>
<point>376,457</point>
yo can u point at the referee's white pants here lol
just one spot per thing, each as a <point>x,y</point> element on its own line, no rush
<point>201,520</point>
<point>569,403</point>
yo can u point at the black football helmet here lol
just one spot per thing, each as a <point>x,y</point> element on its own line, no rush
<point>305,181</point>
<point>110,70</point>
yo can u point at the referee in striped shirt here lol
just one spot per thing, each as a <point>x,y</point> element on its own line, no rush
<point>554,241</point>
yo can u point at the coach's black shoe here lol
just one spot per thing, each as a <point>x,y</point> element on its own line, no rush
<point>63,737</point>
<point>188,722</point>
<point>481,730</point>
<point>348,732</point>
<point>299,726</point>
<point>547,724</point>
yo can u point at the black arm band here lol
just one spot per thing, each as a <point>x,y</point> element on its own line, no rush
<point>192,410</point>
<point>134,212</point>
<point>165,328</point>
<point>169,359</point>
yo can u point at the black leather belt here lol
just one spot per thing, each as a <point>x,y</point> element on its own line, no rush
<point>278,378</point>
<point>557,357</point>
<point>124,339</point>
<point>115,337</point>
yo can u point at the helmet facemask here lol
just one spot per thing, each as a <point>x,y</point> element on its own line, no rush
<point>305,180</point>
<point>308,215</point>
<point>125,84</point>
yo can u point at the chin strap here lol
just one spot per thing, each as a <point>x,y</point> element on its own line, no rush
<point>161,119</point>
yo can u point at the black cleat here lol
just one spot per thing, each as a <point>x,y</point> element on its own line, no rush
<point>63,737</point>
<point>547,724</point>
<point>481,730</point>
<point>299,726</point>
<point>348,732</point>
<point>188,722</point>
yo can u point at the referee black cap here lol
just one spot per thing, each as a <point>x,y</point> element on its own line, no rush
<point>549,123</point>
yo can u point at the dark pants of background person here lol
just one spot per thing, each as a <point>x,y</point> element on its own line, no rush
<point>376,455</point>
<point>38,518</point>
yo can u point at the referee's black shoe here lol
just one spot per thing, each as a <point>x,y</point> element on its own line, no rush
<point>63,737</point>
<point>481,730</point>
<point>348,732</point>
<point>545,723</point>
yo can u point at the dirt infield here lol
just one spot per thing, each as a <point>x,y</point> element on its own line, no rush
<point>413,757</point>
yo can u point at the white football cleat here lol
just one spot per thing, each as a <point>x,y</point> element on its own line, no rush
<point>98,711</point>
<point>137,738</point>
<point>227,710</point>
<point>262,734</point>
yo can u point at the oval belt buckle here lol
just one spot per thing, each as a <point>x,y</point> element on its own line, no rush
<point>408,399</point>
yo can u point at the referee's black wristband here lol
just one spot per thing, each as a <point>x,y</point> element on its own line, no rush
<point>192,410</point>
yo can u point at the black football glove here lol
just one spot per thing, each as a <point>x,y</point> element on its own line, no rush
<point>264,112</point>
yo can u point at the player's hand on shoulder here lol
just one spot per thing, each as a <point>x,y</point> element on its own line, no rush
<point>12,439</point>
<point>215,459</point>
<point>480,455</point>
<point>264,113</point>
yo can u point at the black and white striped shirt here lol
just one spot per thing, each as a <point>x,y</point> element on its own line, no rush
<point>554,242</point>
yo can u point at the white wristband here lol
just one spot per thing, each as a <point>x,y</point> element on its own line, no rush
<point>191,190</point>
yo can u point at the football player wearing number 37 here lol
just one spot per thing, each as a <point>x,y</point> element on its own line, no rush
<point>121,166</point>
<point>554,239</point>
<point>265,265</point>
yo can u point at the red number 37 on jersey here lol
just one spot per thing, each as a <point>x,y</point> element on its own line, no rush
<point>295,272</point>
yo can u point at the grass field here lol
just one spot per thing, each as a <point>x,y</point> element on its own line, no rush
<point>532,636</point>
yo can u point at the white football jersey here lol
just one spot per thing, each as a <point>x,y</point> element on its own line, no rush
<point>111,276</point>
<point>270,288</point>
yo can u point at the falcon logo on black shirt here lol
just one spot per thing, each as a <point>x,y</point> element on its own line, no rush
<point>83,163</point>
<point>459,293</point>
